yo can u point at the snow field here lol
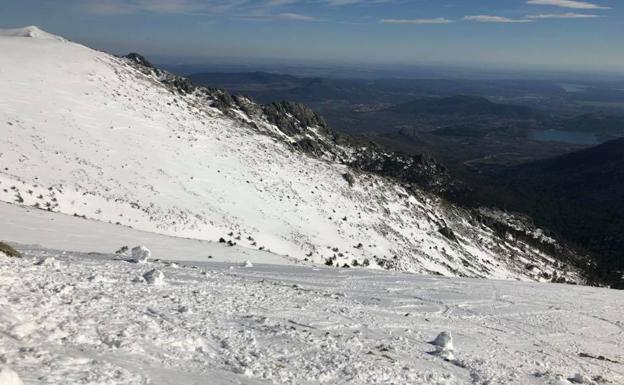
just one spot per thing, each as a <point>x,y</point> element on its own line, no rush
<point>94,319</point>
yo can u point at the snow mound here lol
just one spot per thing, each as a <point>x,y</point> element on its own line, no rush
<point>9,377</point>
<point>444,346</point>
<point>22,330</point>
<point>140,254</point>
<point>31,31</point>
<point>154,277</point>
<point>444,340</point>
<point>48,261</point>
<point>579,379</point>
<point>247,264</point>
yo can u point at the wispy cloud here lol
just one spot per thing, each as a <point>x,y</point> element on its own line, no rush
<point>438,20</point>
<point>234,8</point>
<point>494,19</point>
<point>277,3</point>
<point>295,17</point>
<point>118,7</point>
<point>563,16</point>
<point>574,4</point>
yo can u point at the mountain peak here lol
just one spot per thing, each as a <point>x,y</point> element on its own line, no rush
<point>30,31</point>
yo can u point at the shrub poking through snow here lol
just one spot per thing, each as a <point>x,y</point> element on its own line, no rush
<point>154,277</point>
<point>140,254</point>
<point>9,377</point>
<point>349,178</point>
<point>122,250</point>
<point>9,251</point>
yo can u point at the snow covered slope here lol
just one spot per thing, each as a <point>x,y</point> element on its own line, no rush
<point>31,31</point>
<point>89,134</point>
<point>30,226</point>
<point>70,318</point>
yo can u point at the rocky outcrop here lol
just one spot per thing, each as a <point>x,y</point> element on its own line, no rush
<point>139,59</point>
<point>294,118</point>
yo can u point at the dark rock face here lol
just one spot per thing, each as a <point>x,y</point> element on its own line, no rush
<point>9,251</point>
<point>182,85</point>
<point>350,180</point>
<point>178,83</point>
<point>293,118</point>
<point>139,59</point>
<point>448,233</point>
<point>309,146</point>
<point>418,170</point>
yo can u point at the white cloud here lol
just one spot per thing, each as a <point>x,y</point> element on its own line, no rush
<point>563,16</point>
<point>296,17</point>
<point>277,3</point>
<point>117,7</point>
<point>353,2</point>
<point>438,20</point>
<point>574,4</point>
<point>494,19</point>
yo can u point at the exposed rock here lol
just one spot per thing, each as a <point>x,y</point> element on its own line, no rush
<point>9,251</point>
<point>349,178</point>
<point>293,118</point>
<point>139,59</point>
<point>140,254</point>
<point>154,277</point>
<point>448,233</point>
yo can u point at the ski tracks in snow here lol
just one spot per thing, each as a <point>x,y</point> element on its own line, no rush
<point>94,319</point>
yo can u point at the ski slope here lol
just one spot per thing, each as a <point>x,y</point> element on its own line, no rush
<point>75,318</point>
<point>89,134</point>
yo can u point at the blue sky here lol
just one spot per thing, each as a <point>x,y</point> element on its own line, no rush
<point>518,34</point>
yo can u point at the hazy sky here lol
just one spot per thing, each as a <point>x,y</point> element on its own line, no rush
<point>551,34</point>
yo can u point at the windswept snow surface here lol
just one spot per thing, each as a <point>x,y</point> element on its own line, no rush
<point>96,320</point>
<point>31,226</point>
<point>89,134</point>
<point>31,32</point>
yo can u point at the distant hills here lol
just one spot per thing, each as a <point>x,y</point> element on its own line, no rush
<point>603,125</point>
<point>269,87</point>
<point>466,105</point>
<point>592,176</point>
<point>582,195</point>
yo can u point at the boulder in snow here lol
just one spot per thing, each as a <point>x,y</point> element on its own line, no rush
<point>154,277</point>
<point>140,254</point>
<point>444,346</point>
<point>48,261</point>
<point>579,379</point>
<point>9,377</point>
<point>444,340</point>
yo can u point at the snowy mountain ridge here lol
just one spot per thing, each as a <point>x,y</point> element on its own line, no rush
<point>30,31</point>
<point>116,140</point>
